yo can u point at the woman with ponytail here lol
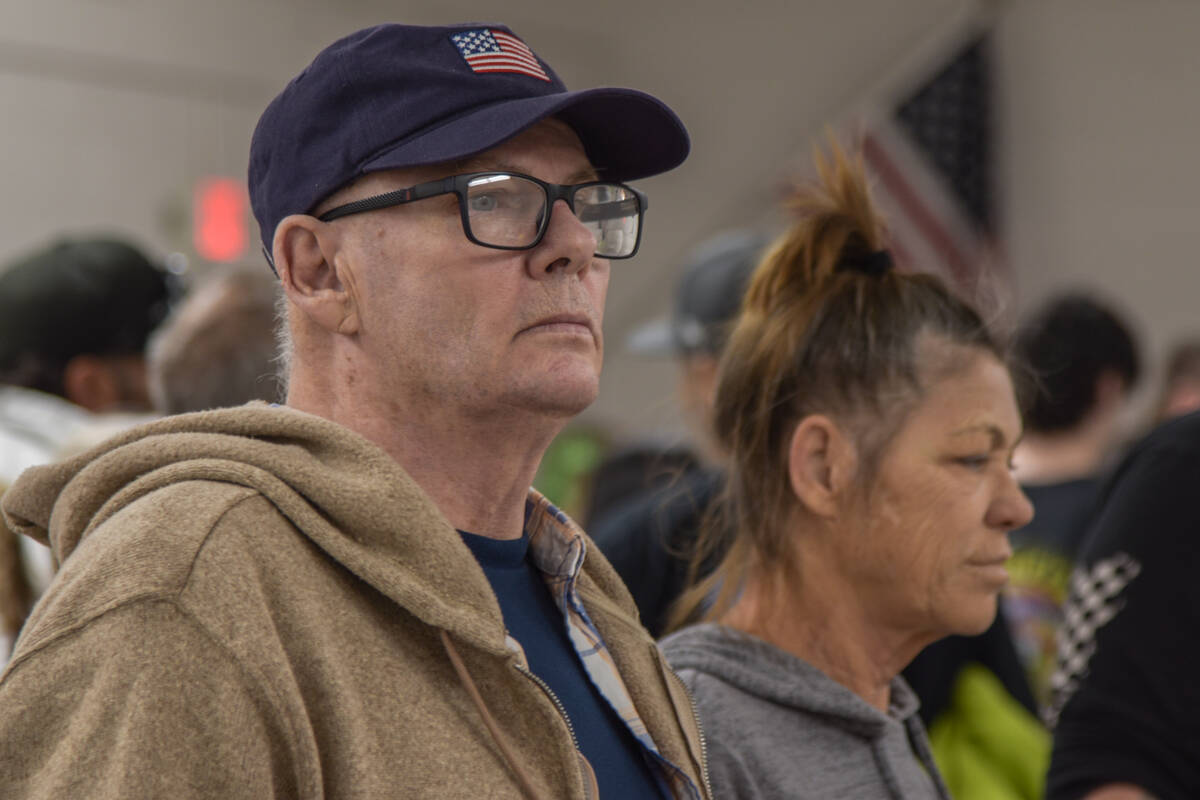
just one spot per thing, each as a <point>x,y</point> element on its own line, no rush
<point>870,418</point>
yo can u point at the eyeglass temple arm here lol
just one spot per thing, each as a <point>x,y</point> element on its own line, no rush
<point>388,199</point>
<point>368,204</point>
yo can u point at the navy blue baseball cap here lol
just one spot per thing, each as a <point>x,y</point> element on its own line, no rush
<point>405,96</point>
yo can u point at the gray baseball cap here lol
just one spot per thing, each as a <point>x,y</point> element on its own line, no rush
<point>707,298</point>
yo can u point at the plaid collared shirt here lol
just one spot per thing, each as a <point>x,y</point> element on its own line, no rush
<point>557,548</point>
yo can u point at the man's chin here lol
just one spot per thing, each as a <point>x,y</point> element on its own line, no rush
<point>559,396</point>
<point>565,404</point>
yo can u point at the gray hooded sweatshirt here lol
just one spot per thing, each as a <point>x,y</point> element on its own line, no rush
<point>777,727</point>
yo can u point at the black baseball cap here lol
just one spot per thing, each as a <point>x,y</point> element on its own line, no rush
<point>707,298</point>
<point>86,295</point>
<point>396,96</point>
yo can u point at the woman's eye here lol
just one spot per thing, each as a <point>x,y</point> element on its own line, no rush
<point>974,461</point>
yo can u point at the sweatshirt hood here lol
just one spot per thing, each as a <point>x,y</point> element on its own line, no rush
<point>763,670</point>
<point>344,493</point>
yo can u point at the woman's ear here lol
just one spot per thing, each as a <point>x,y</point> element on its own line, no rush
<point>312,268</point>
<point>822,462</point>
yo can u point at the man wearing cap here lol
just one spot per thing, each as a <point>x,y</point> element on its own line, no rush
<point>649,537</point>
<point>74,318</point>
<point>358,594</point>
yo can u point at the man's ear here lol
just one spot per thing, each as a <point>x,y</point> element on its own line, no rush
<point>822,462</point>
<point>311,266</point>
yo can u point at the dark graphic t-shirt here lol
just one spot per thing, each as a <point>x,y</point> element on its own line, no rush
<point>1126,694</point>
<point>649,541</point>
<point>1044,553</point>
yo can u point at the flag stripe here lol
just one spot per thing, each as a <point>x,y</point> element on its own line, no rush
<point>483,58</point>
<point>922,218</point>
<point>513,42</point>
<point>505,68</point>
<point>927,147</point>
<point>897,248</point>
<point>518,49</point>
<point>517,68</point>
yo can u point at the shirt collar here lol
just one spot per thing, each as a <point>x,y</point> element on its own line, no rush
<point>556,542</point>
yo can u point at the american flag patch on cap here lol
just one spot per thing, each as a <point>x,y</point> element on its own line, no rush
<point>496,51</point>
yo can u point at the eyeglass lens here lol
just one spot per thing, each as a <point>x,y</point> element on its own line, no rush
<point>507,211</point>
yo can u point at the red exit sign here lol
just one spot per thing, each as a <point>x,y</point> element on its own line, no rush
<point>219,219</point>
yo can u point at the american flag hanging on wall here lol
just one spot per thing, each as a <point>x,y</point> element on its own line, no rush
<point>496,51</point>
<point>930,158</point>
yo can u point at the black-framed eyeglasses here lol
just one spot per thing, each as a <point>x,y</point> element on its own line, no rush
<point>511,211</point>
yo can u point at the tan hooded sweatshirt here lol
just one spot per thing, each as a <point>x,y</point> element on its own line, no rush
<point>259,603</point>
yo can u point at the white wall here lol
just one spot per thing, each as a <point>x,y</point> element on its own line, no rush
<point>113,108</point>
<point>1101,119</point>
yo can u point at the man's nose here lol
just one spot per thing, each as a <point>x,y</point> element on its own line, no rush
<point>567,246</point>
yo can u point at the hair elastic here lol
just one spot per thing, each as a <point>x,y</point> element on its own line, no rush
<point>873,264</point>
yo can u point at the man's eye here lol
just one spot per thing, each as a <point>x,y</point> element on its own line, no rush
<point>502,202</point>
<point>484,202</point>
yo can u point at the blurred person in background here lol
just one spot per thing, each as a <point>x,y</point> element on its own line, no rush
<point>707,299</point>
<point>217,349</point>
<point>870,420</point>
<point>1181,384</point>
<point>629,472</point>
<point>1126,695</point>
<point>74,319</point>
<point>358,594</point>
<point>649,534</point>
<point>1082,364</point>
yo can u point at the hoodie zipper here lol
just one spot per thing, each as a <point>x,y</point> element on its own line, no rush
<point>699,728</point>
<point>562,710</point>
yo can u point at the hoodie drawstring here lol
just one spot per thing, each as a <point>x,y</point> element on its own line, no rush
<point>498,737</point>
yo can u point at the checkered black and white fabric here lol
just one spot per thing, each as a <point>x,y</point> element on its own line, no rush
<point>1094,600</point>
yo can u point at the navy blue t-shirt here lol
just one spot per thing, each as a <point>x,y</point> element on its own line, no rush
<point>533,619</point>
